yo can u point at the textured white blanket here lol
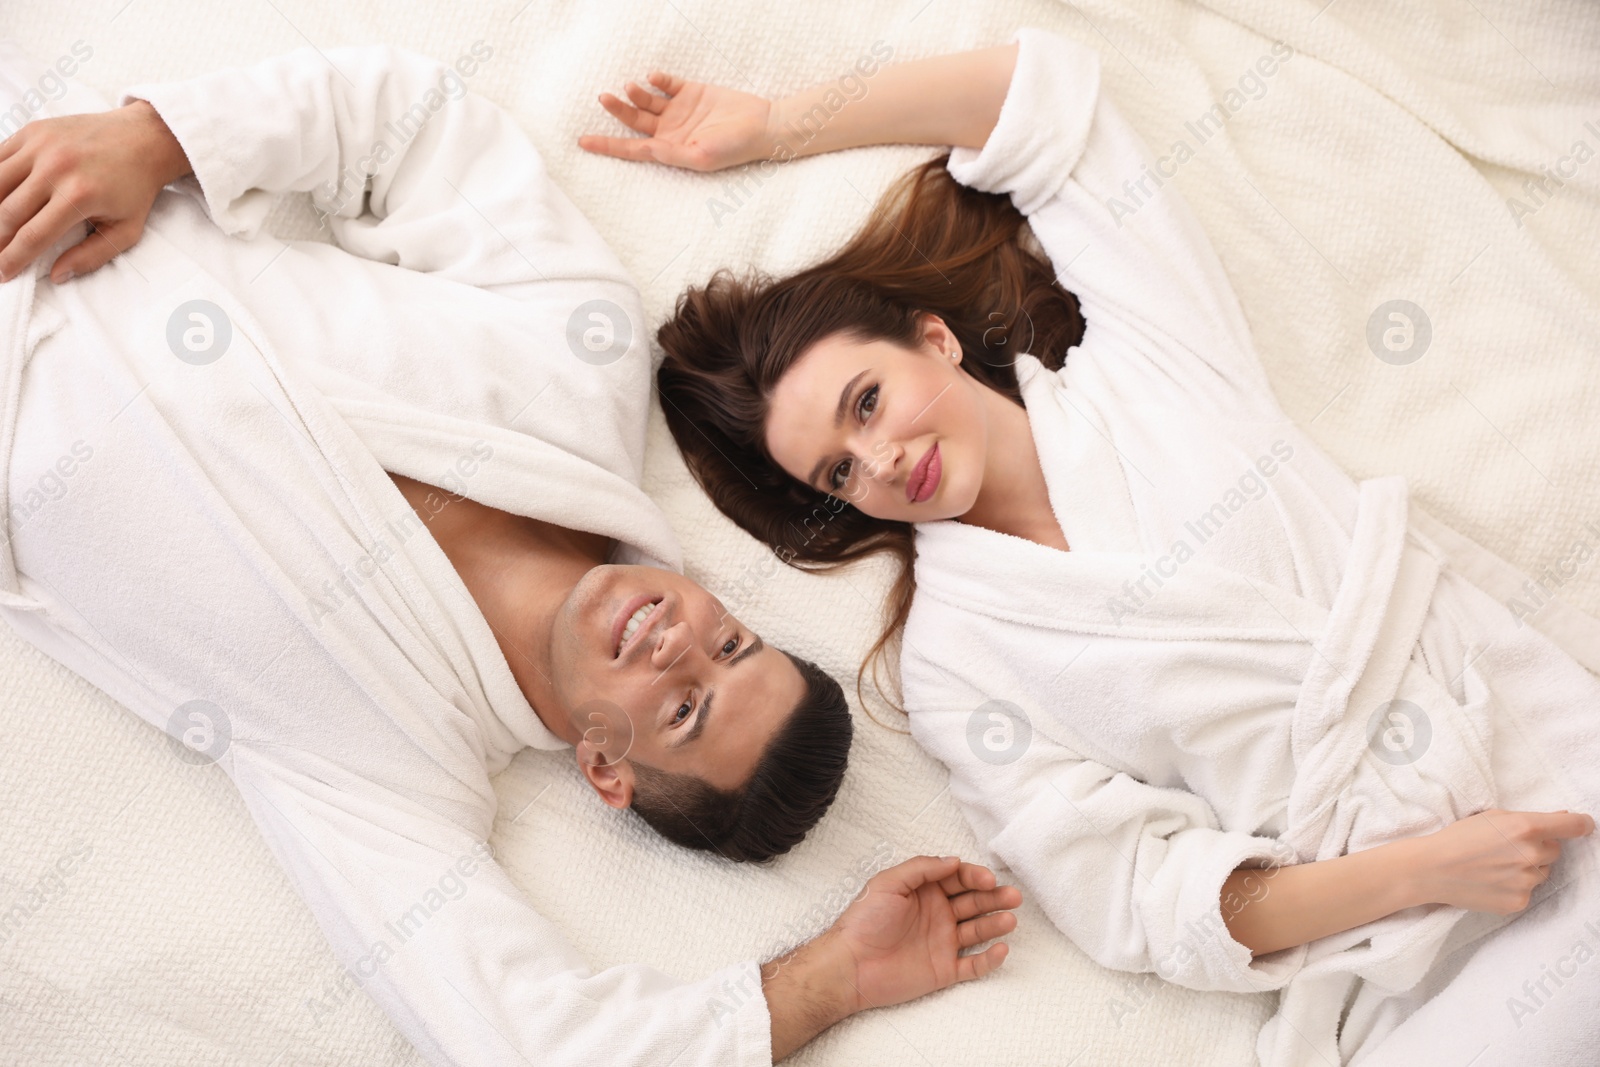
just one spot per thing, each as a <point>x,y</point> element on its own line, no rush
<point>1444,156</point>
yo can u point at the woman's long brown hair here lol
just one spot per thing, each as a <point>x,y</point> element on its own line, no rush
<point>931,246</point>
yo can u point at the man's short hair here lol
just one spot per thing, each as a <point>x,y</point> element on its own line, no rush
<point>794,782</point>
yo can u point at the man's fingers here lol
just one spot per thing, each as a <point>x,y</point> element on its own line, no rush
<point>916,872</point>
<point>37,234</point>
<point>985,928</point>
<point>95,251</point>
<point>13,172</point>
<point>981,963</point>
<point>980,901</point>
<point>968,876</point>
<point>21,205</point>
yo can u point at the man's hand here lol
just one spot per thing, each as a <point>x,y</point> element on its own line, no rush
<point>103,169</point>
<point>897,941</point>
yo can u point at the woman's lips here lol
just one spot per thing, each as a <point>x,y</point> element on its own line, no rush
<point>924,479</point>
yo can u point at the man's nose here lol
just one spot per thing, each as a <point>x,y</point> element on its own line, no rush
<point>674,646</point>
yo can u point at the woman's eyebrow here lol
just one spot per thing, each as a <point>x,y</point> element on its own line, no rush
<point>844,398</point>
<point>838,420</point>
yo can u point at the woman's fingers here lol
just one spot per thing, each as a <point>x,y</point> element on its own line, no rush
<point>630,116</point>
<point>981,963</point>
<point>637,149</point>
<point>644,99</point>
<point>985,928</point>
<point>670,84</point>
<point>981,901</point>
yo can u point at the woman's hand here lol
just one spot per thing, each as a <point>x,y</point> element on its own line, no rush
<point>688,124</point>
<point>103,169</point>
<point>1494,860</point>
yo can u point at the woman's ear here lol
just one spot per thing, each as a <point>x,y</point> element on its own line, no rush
<point>939,336</point>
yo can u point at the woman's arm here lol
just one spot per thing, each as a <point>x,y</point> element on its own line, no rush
<point>1491,861</point>
<point>946,100</point>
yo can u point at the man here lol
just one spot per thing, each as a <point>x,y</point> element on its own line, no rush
<point>361,526</point>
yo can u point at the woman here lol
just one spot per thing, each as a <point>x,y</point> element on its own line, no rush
<point>1157,635</point>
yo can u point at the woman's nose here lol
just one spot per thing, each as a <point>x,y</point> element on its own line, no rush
<point>880,461</point>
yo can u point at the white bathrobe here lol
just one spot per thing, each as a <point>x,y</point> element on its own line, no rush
<point>1204,680</point>
<point>188,521</point>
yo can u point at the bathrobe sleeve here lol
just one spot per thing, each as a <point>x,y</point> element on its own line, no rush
<point>1155,298</point>
<point>406,165</point>
<point>1131,872</point>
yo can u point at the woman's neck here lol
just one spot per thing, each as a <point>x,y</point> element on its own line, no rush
<point>1014,498</point>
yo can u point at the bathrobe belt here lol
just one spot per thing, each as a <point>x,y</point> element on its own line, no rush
<point>16,305</point>
<point>1358,660</point>
<point>1360,644</point>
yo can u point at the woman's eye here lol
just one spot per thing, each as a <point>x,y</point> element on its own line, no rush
<point>867,404</point>
<point>683,712</point>
<point>730,646</point>
<point>840,475</point>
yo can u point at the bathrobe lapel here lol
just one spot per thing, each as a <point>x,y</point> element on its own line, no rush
<point>1360,643</point>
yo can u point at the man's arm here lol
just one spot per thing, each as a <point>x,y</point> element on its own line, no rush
<point>406,166</point>
<point>104,169</point>
<point>899,940</point>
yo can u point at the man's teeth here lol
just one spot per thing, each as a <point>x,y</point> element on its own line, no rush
<point>635,621</point>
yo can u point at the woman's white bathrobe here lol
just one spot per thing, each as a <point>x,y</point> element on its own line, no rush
<point>1204,680</point>
<point>181,530</point>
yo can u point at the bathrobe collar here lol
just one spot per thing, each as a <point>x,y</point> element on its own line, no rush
<point>1093,588</point>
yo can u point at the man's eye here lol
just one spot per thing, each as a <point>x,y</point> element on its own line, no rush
<point>683,712</point>
<point>730,646</point>
<point>840,475</point>
<point>867,404</point>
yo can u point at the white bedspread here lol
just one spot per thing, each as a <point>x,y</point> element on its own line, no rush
<point>1374,166</point>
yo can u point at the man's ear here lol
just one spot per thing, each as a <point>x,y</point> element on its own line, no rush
<point>611,782</point>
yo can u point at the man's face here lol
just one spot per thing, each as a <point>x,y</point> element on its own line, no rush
<point>652,669</point>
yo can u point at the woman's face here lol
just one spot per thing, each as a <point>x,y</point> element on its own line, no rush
<point>900,433</point>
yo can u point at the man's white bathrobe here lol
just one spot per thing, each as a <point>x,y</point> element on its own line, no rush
<point>188,521</point>
<point>1205,680</point>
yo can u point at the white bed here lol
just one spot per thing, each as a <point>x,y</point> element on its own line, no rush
<point>1380,163</point>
